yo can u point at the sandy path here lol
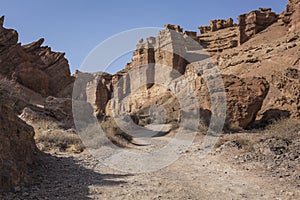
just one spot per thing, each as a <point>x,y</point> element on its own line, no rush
<point>80,176</point>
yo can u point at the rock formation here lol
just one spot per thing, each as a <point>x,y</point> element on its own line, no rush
<point>219,40</point>
<point>244,96</point>
<point>288,82</point>
<point>216,25</point>
<point>176,28</point>
<point>260,78</point>
<point>35,67</point>
<point>244,100</point>
<point>254,22</point>
<point>17,146</point>
<point>292,15</point>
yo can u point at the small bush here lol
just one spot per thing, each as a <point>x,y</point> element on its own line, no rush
<point>59,140</point>
<point>284,129</point>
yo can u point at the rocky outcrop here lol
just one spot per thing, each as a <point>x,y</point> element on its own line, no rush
<point>176,28</point>
<point>220,40</point>
<point>37,68</point>
<point>167,49</point>
<point>17,148</point>
<point>216,25</point>
<point>254,22</point>
<point>244,96</point>
<point>288,82</point>
<point>99,91</point>
<point>244,100</point>
<point>292,15</point>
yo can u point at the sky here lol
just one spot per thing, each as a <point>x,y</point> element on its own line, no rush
<point>76,27</point>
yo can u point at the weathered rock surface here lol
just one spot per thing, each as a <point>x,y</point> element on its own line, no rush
<point>219,40</point>
<point>99,91</point>
<point>293,15</point>
<point>288,82</point>
<point>245,96</point>
<point>167,49</point>
<point>38,68</point>
<point>216,25</point>
<point>254,22</point>
<point>17,148</point>
<point>244,100</point>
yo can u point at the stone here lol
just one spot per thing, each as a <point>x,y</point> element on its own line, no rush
<point>33,78</point>
<point>173,27</point>
<point>99,91</point>
<point>245,98</point>
<point>60,108</point>
<point>216,25</point>
<point>254,22</point>
<point>17,148</point>
<point>294,8</point>
<point>35,67</point>
<point>288,83</point>
<point>219,40</point>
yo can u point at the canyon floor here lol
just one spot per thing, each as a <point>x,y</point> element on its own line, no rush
<point>217,176</point>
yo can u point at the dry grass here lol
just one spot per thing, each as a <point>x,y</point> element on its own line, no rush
<point>105,133</point>
<point>287,129</point>
<point>283,129</point>
<point>59,140</point>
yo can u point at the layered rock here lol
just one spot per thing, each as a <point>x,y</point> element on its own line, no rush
<point>220,40</point>
<point>167,49</point>
<point>216,25</point>
<point>17,148</point>
<point>244,96</point>
<point>254,22</point>
<point>37,68</point>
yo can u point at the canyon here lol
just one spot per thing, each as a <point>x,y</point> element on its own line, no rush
<point>179,73</point>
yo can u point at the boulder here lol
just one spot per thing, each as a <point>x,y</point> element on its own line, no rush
<point>245,98</point>
<point>60,109</point>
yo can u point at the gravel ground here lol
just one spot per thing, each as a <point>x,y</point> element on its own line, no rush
<point>80,176</point>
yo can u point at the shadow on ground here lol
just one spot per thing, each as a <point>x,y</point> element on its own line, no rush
<point>63,178</point>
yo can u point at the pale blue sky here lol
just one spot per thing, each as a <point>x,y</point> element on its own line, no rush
<point>76,27</point>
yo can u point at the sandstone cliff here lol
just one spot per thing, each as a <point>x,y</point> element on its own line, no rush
<point>242,51</point>
<point>38,68</point>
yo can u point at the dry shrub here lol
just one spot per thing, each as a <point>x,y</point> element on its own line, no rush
<point>286,129</point>
<point>283,129</point>
<point>114,133</point>
<point>243,142</point>
<point>104,134</point>
<point>59,140</point>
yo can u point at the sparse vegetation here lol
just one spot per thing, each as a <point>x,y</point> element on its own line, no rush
<point>285,129</point>
<point>60,140</point>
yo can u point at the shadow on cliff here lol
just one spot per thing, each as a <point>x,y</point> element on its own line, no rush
<point>64,178</point>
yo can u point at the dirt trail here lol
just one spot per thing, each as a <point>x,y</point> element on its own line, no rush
<point>80,176</point>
